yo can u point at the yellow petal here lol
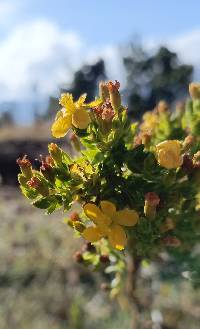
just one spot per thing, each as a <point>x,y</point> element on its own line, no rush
<point>169,145</point>
<point>81,100</point>
<point>169,154</point>
<point>108,208</point>
<point>117,237</point>
<point>80,119</point>
<point>96,215</point>
<point>92,234</point>
<point>66,100</point>
<point>126,217</point>
<point>61,125</point>
<point>169,159</point>
<point>95,103</point>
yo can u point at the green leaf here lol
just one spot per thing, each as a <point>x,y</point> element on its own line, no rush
<point>43,203</point>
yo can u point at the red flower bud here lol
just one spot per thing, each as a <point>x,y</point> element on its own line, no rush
<point>115,97</point>
<point>104,259</point>
<point>47,171</point>
<point>78,257</point>
<point>151,202</point>
<point>152,198</point>
<point>171,241</point>
<point>89,247</point>
<point>25,166</point>
<point>38,185</point>
<point>74,216</point>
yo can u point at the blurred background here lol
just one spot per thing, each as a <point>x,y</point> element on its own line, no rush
<point>46,47</point>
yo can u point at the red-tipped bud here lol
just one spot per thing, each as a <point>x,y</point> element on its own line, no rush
<point>137,140</point>
<point>146,139</point>
<point>152,198</point>
<point>115,97</point>
<point>171,241</point>
<point>167,225</point>
<point>188,142</point>
<point>78,257</point>
<point>55,153</point>
<point>34,182</point>
<point>103,91</point>
<point>25,166</point>
<point>47,171</point>
<point>162,107</point>
<point>104,259</point>
<point>74,216</point>
<point>194,90</point>
<point>49,160</point>
<point>89,247</point>
<point>187,165</point>
<point>38,185</point>
<point>151,202</point>
<point>107,113</point>
<point>196,160</point>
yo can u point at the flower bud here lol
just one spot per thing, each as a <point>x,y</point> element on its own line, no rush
<point>74,216</point>
<point>78,226</point>
<point>25,166</point>
<point>196,160</point>
<point>151,202</point>
<point>88,246</point>
<point>168,225</point>
<point>146,139</point>
<point>194,90</point>
<point>107,113</point>
<point>115,97</point>
<point>187,165</point>
<point>47,171</point>
<point>104,259</point>
<point>171,241</point>
<point>180,108</point>
<point>188,142</point>
<point>162,107</point>
<point>78,257</point>
<point>169,154</point>
<point>38,185</point>
<point>56,153</point>
<point>137,140</point>
<point>103,91</point>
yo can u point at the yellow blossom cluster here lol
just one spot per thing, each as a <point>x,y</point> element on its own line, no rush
<point>72,114</point>
<point>109,223</point>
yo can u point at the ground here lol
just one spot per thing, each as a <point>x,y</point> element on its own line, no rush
<point>41,286</point>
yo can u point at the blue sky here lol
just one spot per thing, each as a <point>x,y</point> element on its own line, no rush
<point>105,21</point>
<point>42,42</point>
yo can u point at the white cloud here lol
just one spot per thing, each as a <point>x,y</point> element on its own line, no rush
<point>187,46</point>
<point>38,57</point>
<point>37,54</point>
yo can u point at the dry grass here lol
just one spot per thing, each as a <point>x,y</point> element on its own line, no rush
<point>41,287</point>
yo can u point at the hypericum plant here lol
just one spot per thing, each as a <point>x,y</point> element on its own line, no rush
<point>136,186</point>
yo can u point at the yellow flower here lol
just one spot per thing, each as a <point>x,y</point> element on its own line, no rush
<point>150,121</point>
<point>108,223</point>
<point>72,114</point>
<point>194,90</point>
<point>169,154</point>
